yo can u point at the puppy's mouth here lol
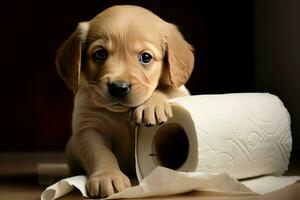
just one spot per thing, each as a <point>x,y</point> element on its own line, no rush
<point>103,98</point>
<point>122,106</point>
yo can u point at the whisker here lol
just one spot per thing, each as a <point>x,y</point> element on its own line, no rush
<point>93,82</point>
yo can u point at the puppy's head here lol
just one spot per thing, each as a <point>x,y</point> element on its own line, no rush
<point>122,55</point>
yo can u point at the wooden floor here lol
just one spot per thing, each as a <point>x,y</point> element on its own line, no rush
<point>21,178</point>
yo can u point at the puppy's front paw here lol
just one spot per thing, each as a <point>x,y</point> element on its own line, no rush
<point>152,112</point>
<point>106,182</point>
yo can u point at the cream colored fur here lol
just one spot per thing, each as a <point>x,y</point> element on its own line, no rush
<point>102,142</point>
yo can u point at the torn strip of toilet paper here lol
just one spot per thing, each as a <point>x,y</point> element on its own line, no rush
<point>65,186</point>
<point>163,182</point>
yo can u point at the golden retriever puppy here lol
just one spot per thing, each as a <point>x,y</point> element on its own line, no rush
<point>122,65</point>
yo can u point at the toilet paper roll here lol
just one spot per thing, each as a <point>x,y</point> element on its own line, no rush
<point>245,135</point>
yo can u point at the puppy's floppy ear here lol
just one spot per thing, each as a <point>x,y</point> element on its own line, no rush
<point>179,58</point>
<point>68,57</point>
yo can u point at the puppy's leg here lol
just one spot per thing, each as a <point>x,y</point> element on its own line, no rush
<point>157,110</point>
<point>104,175</point>
<point>73,163</point>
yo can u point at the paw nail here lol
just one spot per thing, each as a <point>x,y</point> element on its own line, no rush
<point>160,123</point>
<point>149,125</point>
<point>137,124</point>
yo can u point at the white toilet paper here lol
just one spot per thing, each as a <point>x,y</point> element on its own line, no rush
<point>244,135</point>
<point>164,182</point>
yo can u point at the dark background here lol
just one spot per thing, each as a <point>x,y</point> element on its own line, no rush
<point>241,46</point>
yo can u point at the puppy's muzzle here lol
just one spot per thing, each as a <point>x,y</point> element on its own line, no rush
<point>119,89</point>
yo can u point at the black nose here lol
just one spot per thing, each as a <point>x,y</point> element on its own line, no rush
<point>119,89</point>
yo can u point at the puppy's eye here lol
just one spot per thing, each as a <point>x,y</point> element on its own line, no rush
<point>145,58</point>
<point>100,55</point>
